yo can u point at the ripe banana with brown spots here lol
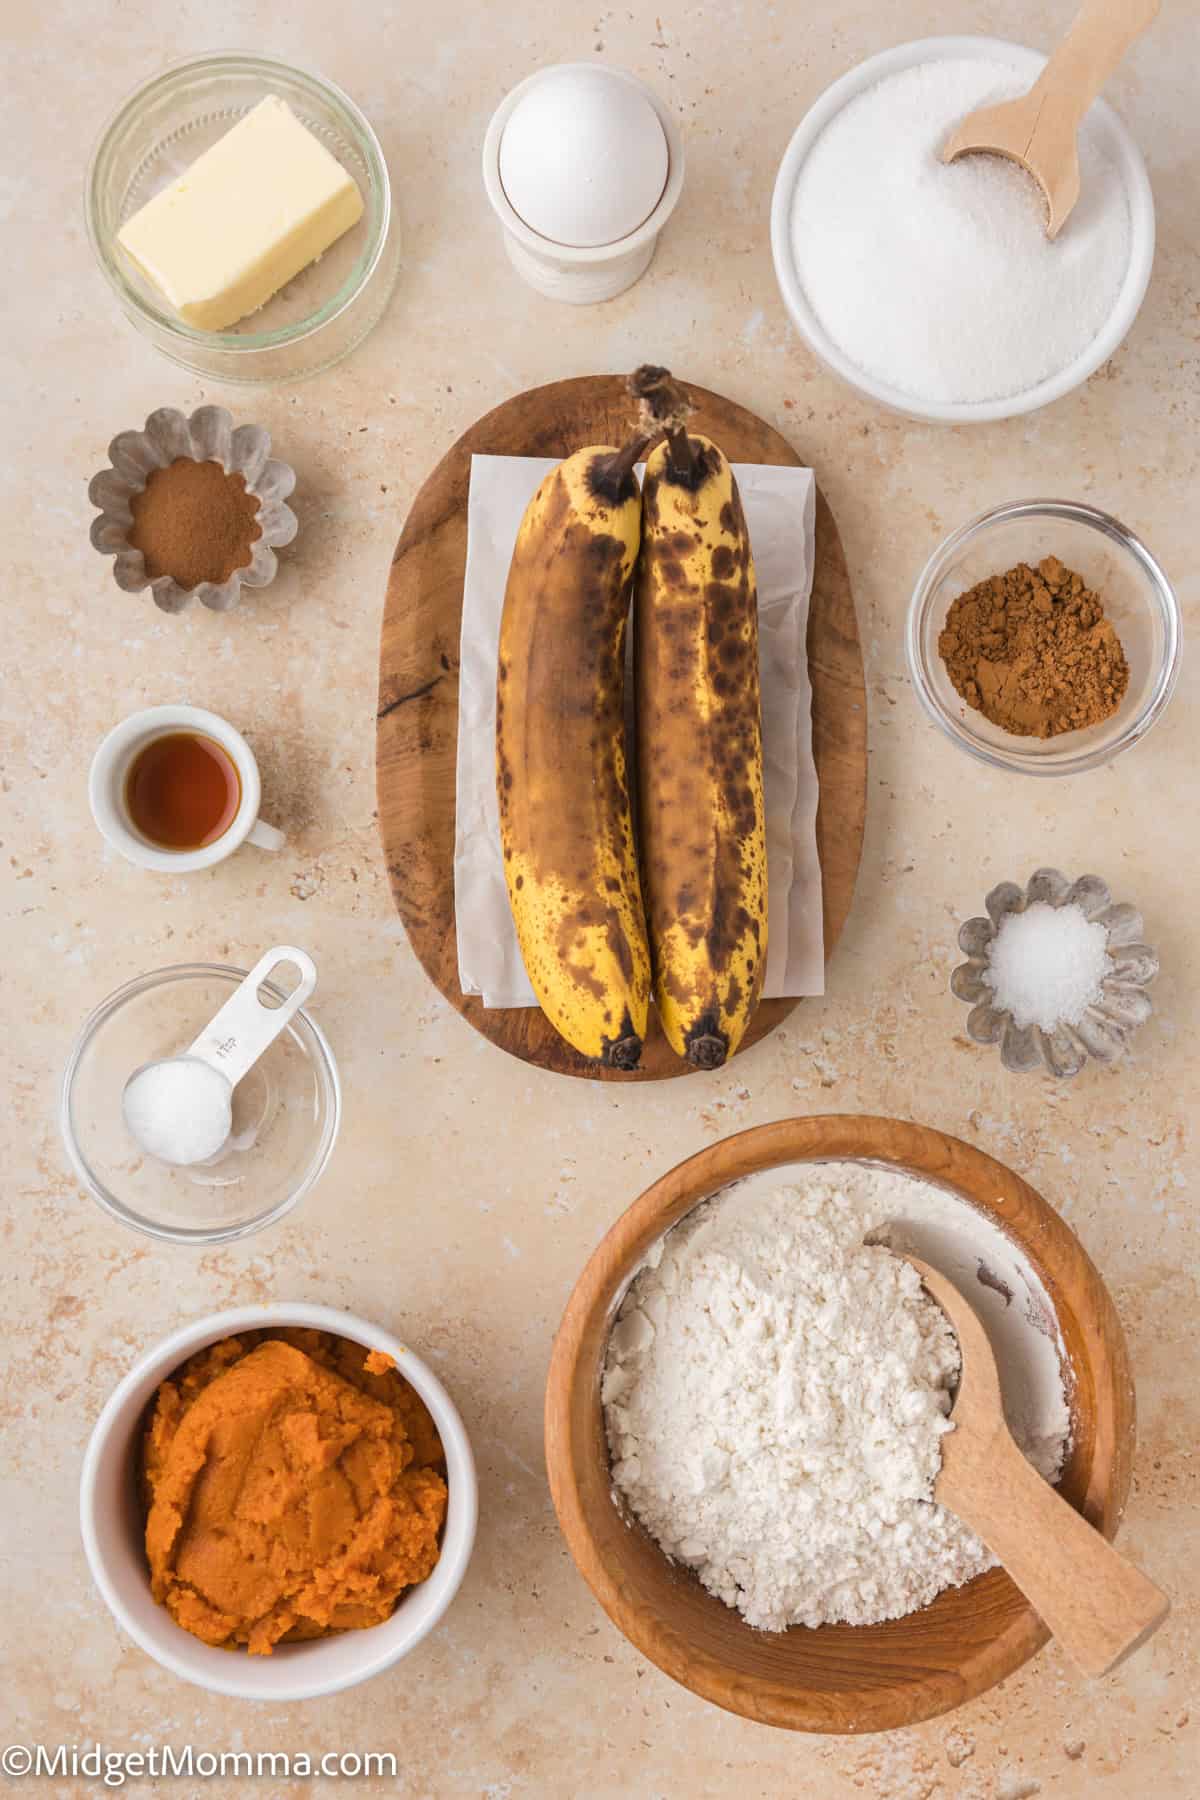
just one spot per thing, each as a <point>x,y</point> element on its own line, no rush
<point>565,818</point>
<point>701,819</point>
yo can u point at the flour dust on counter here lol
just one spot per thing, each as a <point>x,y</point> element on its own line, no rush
<point>776,1390</point>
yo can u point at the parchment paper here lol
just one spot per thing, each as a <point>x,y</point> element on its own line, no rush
<point>780,506</point>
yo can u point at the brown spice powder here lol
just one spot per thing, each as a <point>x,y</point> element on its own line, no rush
<point>194,522</point>
<point>1033,652</point>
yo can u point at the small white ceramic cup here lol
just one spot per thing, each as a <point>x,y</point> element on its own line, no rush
<point>110,771</point>
<point>562,271</point>
<point>111,1521</point>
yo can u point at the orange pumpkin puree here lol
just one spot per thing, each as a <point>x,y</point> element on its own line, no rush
<point>294,1486</point>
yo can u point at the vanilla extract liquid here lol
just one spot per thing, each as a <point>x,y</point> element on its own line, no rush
<point>183,791</point>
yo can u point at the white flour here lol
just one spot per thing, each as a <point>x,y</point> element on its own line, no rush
<point>775,1391</point>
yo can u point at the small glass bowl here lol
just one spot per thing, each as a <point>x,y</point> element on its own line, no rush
<point>320,315</point>
<point>1138,599</point>
<point>286,1112</point>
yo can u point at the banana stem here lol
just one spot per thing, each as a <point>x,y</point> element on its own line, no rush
<point>610,476</point>
<point>665,404</point>
<point>626,459</point>
<point>681,458</point>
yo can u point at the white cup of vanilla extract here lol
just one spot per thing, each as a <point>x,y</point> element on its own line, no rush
<point>176,788</point>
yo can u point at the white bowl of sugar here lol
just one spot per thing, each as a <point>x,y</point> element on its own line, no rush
<point>934,290</point>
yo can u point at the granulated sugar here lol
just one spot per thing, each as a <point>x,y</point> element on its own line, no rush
<point>776,1389</point>
<point>1047,964</point>
<point>939,279</point>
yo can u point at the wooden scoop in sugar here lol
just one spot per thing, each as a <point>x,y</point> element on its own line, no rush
<point>1039,130</point>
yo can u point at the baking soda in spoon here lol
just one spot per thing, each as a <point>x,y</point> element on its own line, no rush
<point>180,1108</point>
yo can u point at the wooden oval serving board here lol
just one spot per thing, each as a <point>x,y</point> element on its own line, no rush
<point>417,726</point>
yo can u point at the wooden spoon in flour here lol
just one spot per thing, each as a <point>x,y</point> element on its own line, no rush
<point>1039,129</point>
<point>1098,1606</point>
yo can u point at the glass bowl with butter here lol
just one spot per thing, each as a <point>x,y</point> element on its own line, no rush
<point>241,211</point>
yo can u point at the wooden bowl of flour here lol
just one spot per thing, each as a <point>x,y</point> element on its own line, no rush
<point>836,1678</point>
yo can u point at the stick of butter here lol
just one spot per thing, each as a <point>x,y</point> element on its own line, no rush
<point>249,214</point>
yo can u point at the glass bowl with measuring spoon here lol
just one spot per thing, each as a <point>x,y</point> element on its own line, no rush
<point>212,1037</point>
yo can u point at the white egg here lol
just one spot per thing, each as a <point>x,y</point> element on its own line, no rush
<point>583,158</point>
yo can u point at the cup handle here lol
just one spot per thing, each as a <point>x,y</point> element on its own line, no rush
<point>266,836</point>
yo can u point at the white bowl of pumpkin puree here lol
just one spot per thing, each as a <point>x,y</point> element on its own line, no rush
<point>279,1501</point>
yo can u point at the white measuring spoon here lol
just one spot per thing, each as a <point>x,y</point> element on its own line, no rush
<point>210,1069</point>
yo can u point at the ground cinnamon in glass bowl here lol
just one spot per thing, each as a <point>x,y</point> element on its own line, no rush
<point>194,523</point>
<point>1139,604</point>
<point>1033,652</point>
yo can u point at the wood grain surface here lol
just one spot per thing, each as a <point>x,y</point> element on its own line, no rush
<point>838,1678</point>
<point>417,725</point>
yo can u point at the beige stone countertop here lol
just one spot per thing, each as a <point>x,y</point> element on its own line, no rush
<point>467,1190</point>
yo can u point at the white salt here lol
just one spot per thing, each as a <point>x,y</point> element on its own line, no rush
<point>179,1110</point>
<point>939,279</point>
<point>1047,965</point>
